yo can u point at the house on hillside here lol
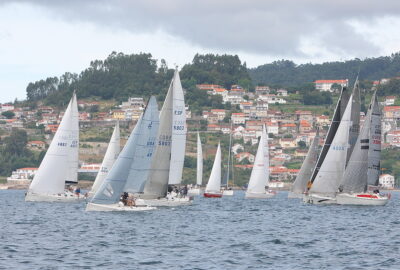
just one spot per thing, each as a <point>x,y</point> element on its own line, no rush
<point>326,85</point>
<point>386,181</point>
<point>238,118</point>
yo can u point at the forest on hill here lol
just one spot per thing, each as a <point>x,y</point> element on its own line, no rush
<point>122,75</point>
<point>286,73</point>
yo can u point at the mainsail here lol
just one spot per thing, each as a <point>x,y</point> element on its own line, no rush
<point>109,158</point>
<point>60,164</point>
<point>363,166</point>
<point>167,165</point>
<point>132,165</point>
<point>337,116</point>
<point>331,172</point>
<point>355,119</point>
<point>199,162</point>
<point>300,184</point>
<point>214,182</point>
<point>178,140</point>
<point>260,174</point>
<point>374,152</point>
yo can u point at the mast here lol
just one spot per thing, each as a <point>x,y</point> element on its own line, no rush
<point>229,156</point>
<point>199,180</point>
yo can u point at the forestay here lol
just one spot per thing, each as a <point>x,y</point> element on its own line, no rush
<point>137,153</point>
<point>61,161</point>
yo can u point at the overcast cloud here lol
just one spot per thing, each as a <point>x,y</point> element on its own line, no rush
<point>276,27</point>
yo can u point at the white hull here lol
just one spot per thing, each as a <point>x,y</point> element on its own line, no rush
<point>317,199</point>
<point>194,192</point>
<point>265,195</point>
<point>292,195</point>
<point>167,202</point>
<point>116,207</point>
<point>367,199</point>
<point>63,197</point>
<point>227,192</point>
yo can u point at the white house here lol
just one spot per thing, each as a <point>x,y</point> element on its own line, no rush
<point>326,85</point>
<point>22,176</point>
<point>386,181</point>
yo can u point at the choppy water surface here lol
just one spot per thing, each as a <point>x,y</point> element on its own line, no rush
<point>227,233</point>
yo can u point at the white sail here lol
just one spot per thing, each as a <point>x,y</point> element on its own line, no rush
<point>109,158</point>
<point>214,182</point>
<point>178,141</point>
<point>73,157</point>
<point>374,152</point>
<point>61,161</point>
<point>199,162</point>
<point>331,172</point>
<point>260,173</point>
<point>137,153</point>
<point>305,173</point>
<point>157,183</point>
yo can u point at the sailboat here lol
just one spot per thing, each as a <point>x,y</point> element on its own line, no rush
<point>300,184</point>
<point>109,158</point>
<point>167,165</point>
<point>328,173</point>
<point>131,168</point>
<point>213,188</point>
<point>196,190</point>
<point>259,177</point>
<point>227,191</point>
<point>60,164</point>
<point>364,164</point>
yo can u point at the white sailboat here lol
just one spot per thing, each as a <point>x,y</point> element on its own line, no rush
<point>131,168</point>
<point>227,191</point>
<point>213,188</point>
<point>109,158</point>
<point>60,164</point>
<point>167,165</point>
<point>259,177</point>
<point>327,180</point>
<point>363,167</point>
<point>196,190</point>
<point>300,184</point>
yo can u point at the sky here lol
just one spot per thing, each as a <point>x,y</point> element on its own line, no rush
<point>44,38</point>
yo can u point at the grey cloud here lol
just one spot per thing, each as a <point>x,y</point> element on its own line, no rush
<point>273,27</point>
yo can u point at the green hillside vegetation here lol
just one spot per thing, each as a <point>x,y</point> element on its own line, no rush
<point>286,73</point>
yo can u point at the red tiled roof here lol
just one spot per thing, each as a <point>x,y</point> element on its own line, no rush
<point>331,81</point>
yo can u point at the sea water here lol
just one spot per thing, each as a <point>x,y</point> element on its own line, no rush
<point>226,233</point>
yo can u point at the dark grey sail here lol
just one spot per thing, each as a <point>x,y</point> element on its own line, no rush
<point>337,116</point>
<point>374,153</point>
<point>355,120</point>
<point>355,175</point>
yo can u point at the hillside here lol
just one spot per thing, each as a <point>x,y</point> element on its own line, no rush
<point>286,73</point>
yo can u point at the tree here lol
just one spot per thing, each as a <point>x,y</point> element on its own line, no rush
<point>8,114</point>
<point>302,144</point>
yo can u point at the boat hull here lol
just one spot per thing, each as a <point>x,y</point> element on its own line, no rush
<point>318,199</point>
<point>212,195</point>
<point>165,202</point>
<point>362,199</point>
<point>194,191</point>
<point>116,207</point>
<point>265,195</point>
<point>293,195</point>
<point>227,192</point>
<point>64,197</point>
